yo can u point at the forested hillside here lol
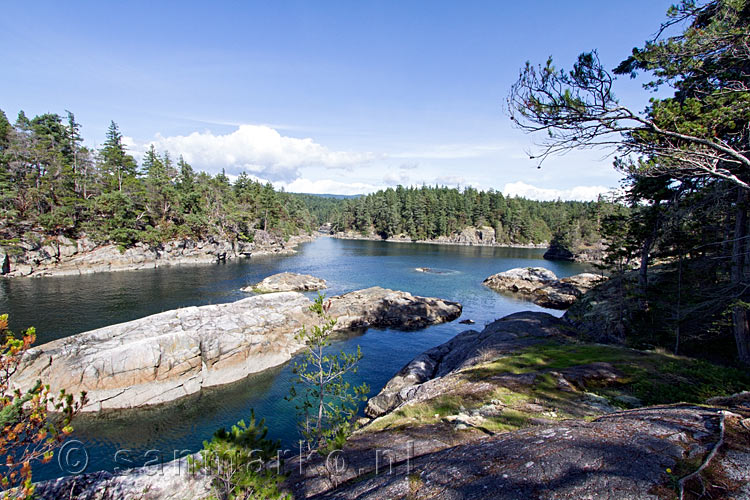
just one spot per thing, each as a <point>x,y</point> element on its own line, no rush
<point>424,213</point>
<point>50,181</point>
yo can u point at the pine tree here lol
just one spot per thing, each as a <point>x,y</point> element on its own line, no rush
<point>118,166</point>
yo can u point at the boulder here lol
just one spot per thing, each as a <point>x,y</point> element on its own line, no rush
<point>172,354</point>
<point>287,282</point>
<point>541,286</point>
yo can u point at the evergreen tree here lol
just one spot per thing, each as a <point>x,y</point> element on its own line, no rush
<point>118,166</point>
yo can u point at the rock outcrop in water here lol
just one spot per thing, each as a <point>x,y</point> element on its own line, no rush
<point>62,256</point>
<point>287,282</point>
<point>173,354</point>
<point>542,286</point>
<point>584,253</point>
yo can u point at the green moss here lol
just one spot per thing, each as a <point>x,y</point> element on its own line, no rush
<point>509,420</point>
<point>552,357</point>
<point>652,377</point>
<point>428,412</point>
<point>688,380</point>
<point>508,397</point>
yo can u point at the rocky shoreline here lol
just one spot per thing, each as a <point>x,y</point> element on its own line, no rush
<point>63,256</point>
<point>484,236</point>
<point>176,353</point>
<point>456,423</point>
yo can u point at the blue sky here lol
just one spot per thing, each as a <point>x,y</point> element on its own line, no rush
<point>320,96</point>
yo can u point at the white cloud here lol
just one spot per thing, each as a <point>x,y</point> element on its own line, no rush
<point>327,186</point>
<point>581,193</point>
<point>257,149</point>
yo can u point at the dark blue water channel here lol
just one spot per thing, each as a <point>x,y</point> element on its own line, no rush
<point>63,306</point>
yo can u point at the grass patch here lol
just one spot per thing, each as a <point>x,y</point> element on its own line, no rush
<point>550,357</point>
<point>688,380</point>
<point>509,420</point>
<point>652,377</point>
<point>508,397</point>
<point>428,412</point>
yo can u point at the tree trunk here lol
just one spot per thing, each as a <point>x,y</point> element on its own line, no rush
<point>648,244</point>
<point>643,270</point>
<point>740,323</point>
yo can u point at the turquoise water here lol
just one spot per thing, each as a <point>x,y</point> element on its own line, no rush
<point>62,306</point>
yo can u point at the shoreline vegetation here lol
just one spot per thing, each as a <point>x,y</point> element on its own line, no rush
<point>66,257</point>
<point>61,200</point>
<point>406,239</point>
<point>439,213</point>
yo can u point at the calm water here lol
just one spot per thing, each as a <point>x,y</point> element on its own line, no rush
<point>62,306</point>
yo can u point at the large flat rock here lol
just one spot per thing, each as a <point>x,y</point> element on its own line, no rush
<point>620,456</point>
<point>172,354</point>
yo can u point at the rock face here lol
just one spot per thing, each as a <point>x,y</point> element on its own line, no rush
<point>175,353</point>
<point>620,456</point>
<point>541,286</point>
<point>415,450</point>
<point>62,256</point>
<point>465,350</point>
<point>471,236</point>
<point>288,282</point>
<point>590,253</point>
<point>174,480</point>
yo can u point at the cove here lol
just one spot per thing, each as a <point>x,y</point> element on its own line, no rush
<point>62,306</point>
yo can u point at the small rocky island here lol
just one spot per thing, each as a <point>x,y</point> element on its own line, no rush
<point>176,353</point>
<point>542,286</point>
<point>287,282</point>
